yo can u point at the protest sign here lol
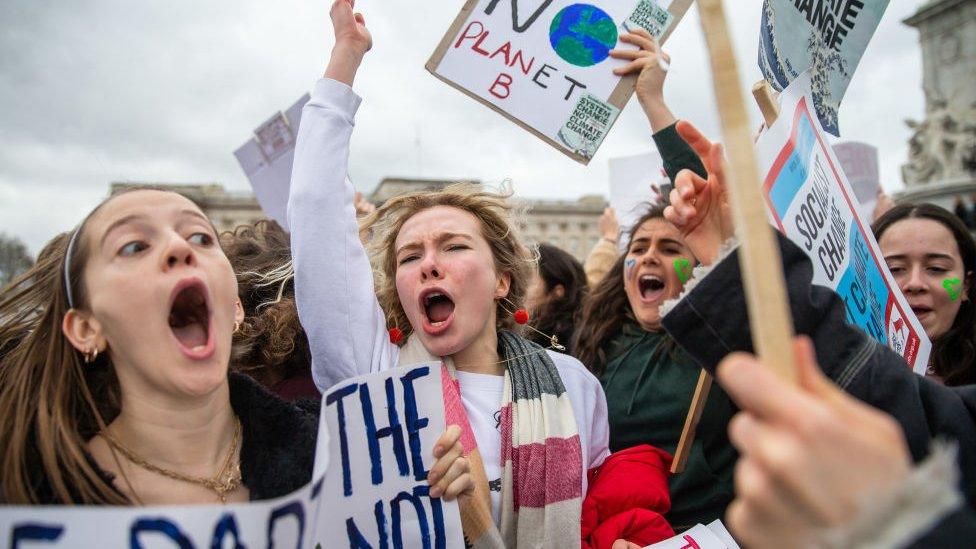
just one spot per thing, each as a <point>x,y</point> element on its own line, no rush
<point>828,37</point>
<point>713,536</point>
<point>631,178</point>
<point>267,159</point>
<point>379,431</point>
<point>546,66</point>
<point>810,200</point>
<point>383,428</point>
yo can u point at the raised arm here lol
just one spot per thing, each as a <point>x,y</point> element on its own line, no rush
<point>333,279</point>
<point>651,66</point>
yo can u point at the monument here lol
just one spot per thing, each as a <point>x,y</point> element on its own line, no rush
<point>942,150</point>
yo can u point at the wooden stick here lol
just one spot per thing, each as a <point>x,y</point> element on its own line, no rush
<point>759,259</point>
<point>766,99</point>
<point>762,275</point>
<point>691,422</point>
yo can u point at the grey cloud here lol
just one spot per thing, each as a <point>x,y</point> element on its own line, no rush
<point>99,90</point>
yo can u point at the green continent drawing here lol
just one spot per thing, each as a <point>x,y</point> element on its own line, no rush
<point>582,34</point>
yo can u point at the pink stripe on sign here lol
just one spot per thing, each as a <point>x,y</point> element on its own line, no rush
<point>547,473</point>
<point>454,413</point>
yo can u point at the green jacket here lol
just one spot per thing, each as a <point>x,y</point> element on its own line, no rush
<point>649,385</point>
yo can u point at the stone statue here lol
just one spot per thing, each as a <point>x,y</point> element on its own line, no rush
<point>922,166</point>
<point>941,146</point>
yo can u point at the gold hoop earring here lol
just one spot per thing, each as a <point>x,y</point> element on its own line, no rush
<point>90,355</point>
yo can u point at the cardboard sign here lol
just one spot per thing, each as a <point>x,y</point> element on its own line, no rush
<point>828,37</point>
<point>383,429</point>
<point>372,494</point>
<point>810,200</point>
<point>631,178</point>
<point>544,64</point>
<point>713,536</point>
<point>267,159</point>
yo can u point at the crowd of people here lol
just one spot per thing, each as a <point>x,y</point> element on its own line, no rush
<point>147,360</point>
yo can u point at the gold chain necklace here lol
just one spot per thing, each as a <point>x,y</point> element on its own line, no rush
<point>227,479</point>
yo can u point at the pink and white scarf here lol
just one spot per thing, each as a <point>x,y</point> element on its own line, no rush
<point>541,454</point>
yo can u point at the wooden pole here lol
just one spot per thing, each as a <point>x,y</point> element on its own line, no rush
<point>766,99</point>
<point>762,274</point>
<point>691,422</point>
<point>759,259</point>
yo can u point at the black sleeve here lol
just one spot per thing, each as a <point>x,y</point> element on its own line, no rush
<point>676,153</point>
<point>711,321</point>
<point>951,532</point>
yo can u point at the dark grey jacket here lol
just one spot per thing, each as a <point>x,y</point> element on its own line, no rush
<point>711,322</point>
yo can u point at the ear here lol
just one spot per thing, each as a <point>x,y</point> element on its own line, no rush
<point>83,331</point>
<point>504,284</point>
<point>559,291</point>
<point>238,311</point>
<point>967,282</point>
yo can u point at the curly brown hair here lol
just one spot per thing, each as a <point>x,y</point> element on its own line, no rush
<point>271,344</point>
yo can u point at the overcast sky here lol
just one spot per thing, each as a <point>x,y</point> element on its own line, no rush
<point>96,91</point>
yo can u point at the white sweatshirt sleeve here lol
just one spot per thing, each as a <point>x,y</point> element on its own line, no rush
<point>333,279</point>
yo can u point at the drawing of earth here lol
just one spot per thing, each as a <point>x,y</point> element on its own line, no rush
<point>582,34</point>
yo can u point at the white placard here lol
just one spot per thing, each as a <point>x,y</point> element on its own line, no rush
<point>713,536</point>
<point>383,428</point>
<point>267,159</point>
<point>545,65</point>
<point>631,178</point>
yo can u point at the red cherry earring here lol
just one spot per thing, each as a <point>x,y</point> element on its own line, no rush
<point>396,335</point>
<point>521,316</point>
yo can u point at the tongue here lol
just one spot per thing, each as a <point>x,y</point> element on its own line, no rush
<point>191,335</point>
<point>439,311</point>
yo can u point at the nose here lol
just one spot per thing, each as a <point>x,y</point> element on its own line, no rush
<point>178,253</point>
<point>650,257</point>
<point>429,269</point>
<point>915,283</point>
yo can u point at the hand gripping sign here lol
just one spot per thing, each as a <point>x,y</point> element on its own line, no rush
<point>376,436</point>
<point>545,65</point>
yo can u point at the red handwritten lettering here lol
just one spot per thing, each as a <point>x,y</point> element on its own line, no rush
<point>504,82</point>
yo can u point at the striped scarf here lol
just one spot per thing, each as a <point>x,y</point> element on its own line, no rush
<point>541,453</point>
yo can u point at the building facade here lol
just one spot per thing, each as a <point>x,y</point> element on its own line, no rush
<point>569,224</point>
<point>941,164</point>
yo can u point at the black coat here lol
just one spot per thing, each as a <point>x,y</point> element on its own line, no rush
<point>711,322</point>
<point>277,443</point>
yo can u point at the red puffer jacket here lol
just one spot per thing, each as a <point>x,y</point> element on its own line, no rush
<point>627,499</point>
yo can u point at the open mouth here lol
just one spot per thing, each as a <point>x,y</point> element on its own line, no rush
<point>189,317</point>
<point>921,311</point>
<point>438,307</point>
<point>651,287</point>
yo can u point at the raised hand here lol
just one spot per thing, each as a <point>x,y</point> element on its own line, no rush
<point>651,65</point>
<point>353,40</point>
<point>609,226</point>
<point>700,208</point>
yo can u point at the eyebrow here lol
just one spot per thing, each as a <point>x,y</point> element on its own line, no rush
<point>439,238</point>
<point>901,257</point>
<point>138,217</point>
<point>118,223</point>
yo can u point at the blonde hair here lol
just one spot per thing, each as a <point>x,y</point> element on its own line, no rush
<point>498,217</point>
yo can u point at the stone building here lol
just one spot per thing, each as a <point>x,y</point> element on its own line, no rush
<point>569,224</point>
<point>942,150</point>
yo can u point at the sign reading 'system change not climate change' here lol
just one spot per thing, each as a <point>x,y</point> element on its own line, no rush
<point>546,65</point>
